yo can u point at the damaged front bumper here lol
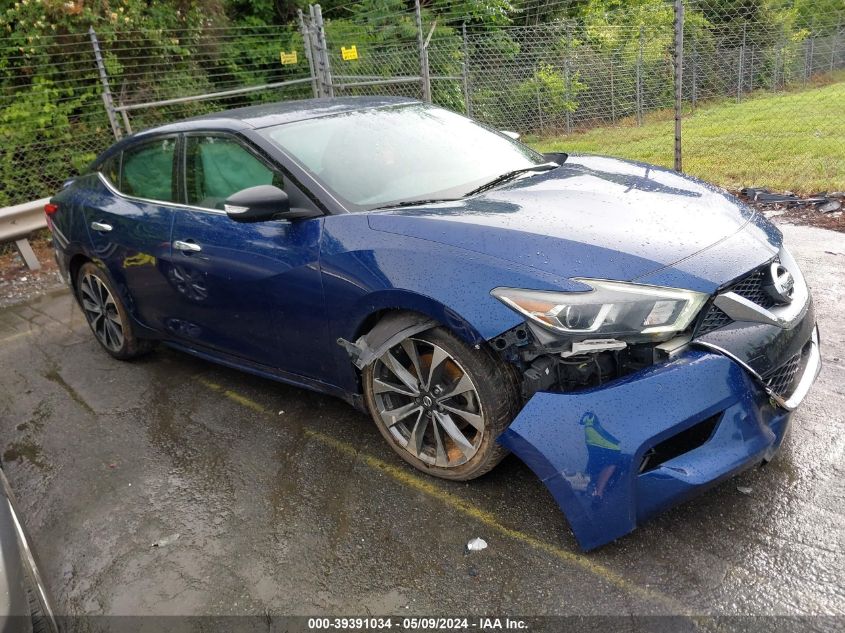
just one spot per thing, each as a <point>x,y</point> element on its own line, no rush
<point>615,455</point>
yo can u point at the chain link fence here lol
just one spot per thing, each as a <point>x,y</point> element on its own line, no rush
<point>61,103</point>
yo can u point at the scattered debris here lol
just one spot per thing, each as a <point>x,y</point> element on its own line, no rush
<point>744,490</point>
<point>823,210</point>
<point>17,282</point>
<point>787,198</point>
<point>167,540</point>
<point>477,544</point>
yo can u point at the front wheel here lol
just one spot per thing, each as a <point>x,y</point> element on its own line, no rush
<point>441,404</point>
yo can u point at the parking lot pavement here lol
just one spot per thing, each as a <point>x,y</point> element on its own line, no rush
<point>173,486</point>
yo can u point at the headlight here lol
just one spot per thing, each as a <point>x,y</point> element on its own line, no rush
<point>611,308</point>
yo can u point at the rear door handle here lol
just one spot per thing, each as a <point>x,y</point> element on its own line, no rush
<point>187,247</point>
<point>101,226</point>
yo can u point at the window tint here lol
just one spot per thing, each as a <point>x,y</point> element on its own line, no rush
<point>218,166</point>
<point>147,170</point>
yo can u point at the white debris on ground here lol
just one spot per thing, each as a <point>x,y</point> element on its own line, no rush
<point>477,544</point>
<point>167,540</point>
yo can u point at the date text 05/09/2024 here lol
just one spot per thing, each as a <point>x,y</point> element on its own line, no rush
<point>418,624</point>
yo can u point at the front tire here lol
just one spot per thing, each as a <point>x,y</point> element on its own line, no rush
<point>441,404</point>
<point>107,315</point>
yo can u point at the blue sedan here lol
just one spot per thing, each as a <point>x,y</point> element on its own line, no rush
<point>632,334</point>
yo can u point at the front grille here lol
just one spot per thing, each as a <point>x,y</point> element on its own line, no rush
<point>781,379</point>
<point>713,319</point>
<point>749,287</point>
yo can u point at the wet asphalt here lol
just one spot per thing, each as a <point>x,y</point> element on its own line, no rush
<point>171,485</point>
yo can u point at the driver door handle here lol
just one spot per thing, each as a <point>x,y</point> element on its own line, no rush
<point>187,247</point>
<point>101,226</point>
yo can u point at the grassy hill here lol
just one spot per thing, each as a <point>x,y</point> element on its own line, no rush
<point>793,141</point>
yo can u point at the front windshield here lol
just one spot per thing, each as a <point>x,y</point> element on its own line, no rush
<point>383,156</point>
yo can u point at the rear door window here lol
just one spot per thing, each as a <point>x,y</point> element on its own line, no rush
<point>147,170</point>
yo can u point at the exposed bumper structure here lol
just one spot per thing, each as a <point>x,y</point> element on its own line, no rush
<point>616,455</point>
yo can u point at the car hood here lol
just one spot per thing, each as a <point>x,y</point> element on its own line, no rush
<point>600,217</point>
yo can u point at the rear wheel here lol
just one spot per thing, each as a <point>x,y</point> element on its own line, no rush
<point>106,315</point>
<point>441,404</point>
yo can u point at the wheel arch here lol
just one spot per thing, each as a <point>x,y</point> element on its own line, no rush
<point>74,264</point>
<point>376,306</point>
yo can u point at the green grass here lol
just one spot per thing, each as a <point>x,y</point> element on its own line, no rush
<point>793,141</point>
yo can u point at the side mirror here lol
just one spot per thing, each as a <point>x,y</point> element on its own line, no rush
<point>257,204</point>
<point>514,135</point>
<point>556,157</point>
<point>263,203</point>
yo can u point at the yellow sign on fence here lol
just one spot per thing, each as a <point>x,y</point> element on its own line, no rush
<point>350,53</point>
<point>288,58</point>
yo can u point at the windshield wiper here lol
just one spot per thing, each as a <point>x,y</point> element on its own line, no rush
<point>414,203</point>
<point>510,175</point>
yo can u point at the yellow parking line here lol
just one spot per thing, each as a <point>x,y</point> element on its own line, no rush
<point>242,400</point>
<point>463,506</point>
<point>13,337</point>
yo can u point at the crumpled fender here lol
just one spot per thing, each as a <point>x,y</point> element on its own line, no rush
<point>587,447</point>
<point>388,332</point>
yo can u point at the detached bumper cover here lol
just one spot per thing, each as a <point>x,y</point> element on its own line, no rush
<point>589,448</point>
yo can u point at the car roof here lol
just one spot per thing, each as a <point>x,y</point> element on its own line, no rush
<point>260,116</point>
<point>278,113</point>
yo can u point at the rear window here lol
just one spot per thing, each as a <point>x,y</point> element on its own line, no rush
<point>147,170</point>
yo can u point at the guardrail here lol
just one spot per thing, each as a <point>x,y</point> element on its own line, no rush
<point>17,222</point>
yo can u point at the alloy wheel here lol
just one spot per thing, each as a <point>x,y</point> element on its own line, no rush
<point>101,311</point>
<point>428,403</point>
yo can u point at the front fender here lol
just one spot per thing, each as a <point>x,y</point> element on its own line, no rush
<point>366,271</point>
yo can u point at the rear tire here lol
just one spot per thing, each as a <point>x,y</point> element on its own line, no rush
<point>443,422</point>
<point>107,315</point>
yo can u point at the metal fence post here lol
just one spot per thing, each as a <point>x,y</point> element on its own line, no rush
<point>307,45</point>
<point>567,77</point>
<point>812,63</point>
<point>739,75</point>
<point>679,79</point>
<point>465,71</point>
<point>808,58</point>
<point>834,42</point>
<point>694,71</point>
<point>751,69</point>
<point>323,51</point>
<point>104,79</point>
<point>317,56</point>
<point>612,93</point>
<point>425,80</point>
<point>539,108</point>
<point>640,81</point>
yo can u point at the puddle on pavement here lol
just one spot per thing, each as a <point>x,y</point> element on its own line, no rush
<point>24,450</point>
<point>54,377</point>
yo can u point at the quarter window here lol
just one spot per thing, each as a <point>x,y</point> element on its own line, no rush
<point>111,170</point>
<point>147,170</point>
<point>218,167</point>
